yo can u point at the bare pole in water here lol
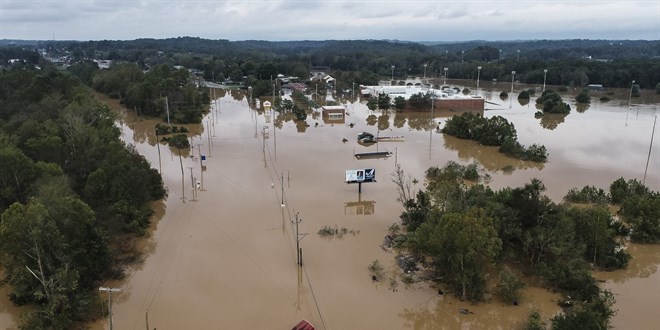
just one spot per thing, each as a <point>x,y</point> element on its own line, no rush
<point>299,237</point>
<point>629,101</point>
<point>201,165</point>
<point>183,189</point>
<point>160,166</point>
<point>650,146</point>
<point>208,133</point>
<point>192,183</point>
<point>282,184</point>
<point>167,108</point>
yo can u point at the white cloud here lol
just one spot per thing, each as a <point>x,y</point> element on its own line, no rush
<point>441,20</point>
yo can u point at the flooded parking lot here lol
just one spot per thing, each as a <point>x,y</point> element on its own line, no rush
<point>227,258</point>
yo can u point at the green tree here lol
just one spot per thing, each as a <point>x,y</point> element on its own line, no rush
<point>552,103</point>
<point>461,244</point>
<point>372,103</point>
<point>384,101</point>
<point>583,97</point>
<point>509,287</point>
<point>46,253</point>
<point>399,103</point>
<point>589,316</point>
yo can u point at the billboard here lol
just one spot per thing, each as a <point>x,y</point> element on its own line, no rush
<point>359,176</point>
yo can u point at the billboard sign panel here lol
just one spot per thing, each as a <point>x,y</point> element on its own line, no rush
<point>363,175</point>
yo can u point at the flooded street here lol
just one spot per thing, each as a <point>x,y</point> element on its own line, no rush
<point>227,259</point>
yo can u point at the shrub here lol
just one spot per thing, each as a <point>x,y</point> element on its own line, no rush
<point>524,95</point>
<point>509,287</point>
<point>583,97</point>
<point>377,271</point>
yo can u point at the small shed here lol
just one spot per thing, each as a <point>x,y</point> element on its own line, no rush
<point>334,114</point>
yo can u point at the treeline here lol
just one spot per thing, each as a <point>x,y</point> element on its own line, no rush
<point>462,231</point>
<point>493,131</point>
<point>69,189</point>
<point>573,63</point>
<point>162,91</point>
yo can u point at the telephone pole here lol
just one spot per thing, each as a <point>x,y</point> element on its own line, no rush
<point>299,237</point>
<point>192,183</point>
<point>282,184</point>
<point>183,189</point>
<point>201,165</point>
<point>109,291</point>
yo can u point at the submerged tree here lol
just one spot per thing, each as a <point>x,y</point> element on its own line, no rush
<point>552,103</point>
<point>460,244</point>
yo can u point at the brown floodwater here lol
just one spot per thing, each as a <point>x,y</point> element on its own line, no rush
<point>226,258</point>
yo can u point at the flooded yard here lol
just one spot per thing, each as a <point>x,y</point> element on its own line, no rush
<point>227,258</point>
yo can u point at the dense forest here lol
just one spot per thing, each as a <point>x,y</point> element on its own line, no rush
<point>71,196</point>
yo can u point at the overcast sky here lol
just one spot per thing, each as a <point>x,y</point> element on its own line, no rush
<point>275,20</point>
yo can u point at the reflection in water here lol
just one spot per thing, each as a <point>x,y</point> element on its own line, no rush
<point>301,126</point>
<point>399,119</point>
<point>489,157</point>
<point>644,264</point>
<point>636,289</point>
<point>372,120</point>
<point>384,121</point>
<point>447,312</point>
<point>523,102</point>
<point>551,121</point>
<point>581,107</point>
<point>360,207</point>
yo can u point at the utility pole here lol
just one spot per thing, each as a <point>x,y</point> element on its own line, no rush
<point>299,237</point>
<point>167,107</point>
<point>282,184</point>
<point>192,183</point>
<point>208,133</point>
<point>183,189</point>
<point>201,165</point>
<point>160,166</point>
<point>109,291</point>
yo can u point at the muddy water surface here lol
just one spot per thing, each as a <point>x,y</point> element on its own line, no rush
<point>227,258</point>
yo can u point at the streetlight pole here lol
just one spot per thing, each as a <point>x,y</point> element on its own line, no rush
<point>545,73</point>
<point>630,96</point>
<point>446,75</point>
<point>513,75</point>
<point>478,74</point>
<point>109,291</point>
<point>353,92</point>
